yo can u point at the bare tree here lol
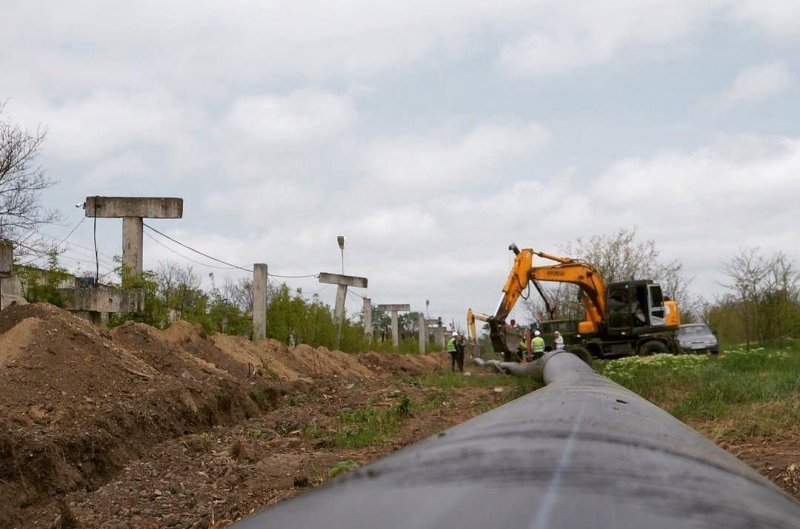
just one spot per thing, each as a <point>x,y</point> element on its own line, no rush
<point>747,270</point>
<point>618,257</point>
<point>239,294</point>
<point>21,183</point>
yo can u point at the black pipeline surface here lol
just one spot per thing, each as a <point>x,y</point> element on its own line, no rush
<point>582,452</point>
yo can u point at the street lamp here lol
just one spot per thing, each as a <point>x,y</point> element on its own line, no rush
<point>340,240</point>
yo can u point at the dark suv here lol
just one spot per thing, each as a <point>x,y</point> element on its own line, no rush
<point>697,338</point>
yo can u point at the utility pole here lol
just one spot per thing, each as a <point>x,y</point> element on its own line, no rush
<point>394,309</point>
<point>343,281</point>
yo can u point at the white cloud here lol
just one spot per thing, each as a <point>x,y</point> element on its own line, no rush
<point>473,158</point>
<point>300,119</point>
<point>779,18</point>
<point>757,83</point>
<point>576,34</point>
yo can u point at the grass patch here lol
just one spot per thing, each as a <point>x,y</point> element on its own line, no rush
<point>739,393</point>
<point>371,425</point>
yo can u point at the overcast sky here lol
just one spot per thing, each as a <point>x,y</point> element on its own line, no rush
<point>430,133</point>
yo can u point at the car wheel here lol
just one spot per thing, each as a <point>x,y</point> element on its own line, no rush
<point>653,347</point>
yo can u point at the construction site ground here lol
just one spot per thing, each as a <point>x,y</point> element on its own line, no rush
<point>142,428</point>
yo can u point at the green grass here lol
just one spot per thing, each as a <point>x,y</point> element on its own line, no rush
<point>371,425</point>
<point>735,395</point>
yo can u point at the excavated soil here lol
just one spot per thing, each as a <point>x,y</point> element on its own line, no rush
<point>141,428</point>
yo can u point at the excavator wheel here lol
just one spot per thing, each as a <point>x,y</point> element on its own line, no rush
<point>581,352</point>
<point>653,347</point>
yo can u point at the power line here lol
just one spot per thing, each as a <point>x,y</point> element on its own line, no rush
<point>292,277</point>
<point>188,258</point>
<point>197,251</point>
<point>59,243</point>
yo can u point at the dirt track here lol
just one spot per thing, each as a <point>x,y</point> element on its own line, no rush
<point>145,428</point>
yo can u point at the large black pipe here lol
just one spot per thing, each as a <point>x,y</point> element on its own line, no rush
<point>582,452</point>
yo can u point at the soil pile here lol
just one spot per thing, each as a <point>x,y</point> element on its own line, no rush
<point>78,403</point>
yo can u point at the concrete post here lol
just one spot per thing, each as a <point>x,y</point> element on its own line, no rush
<point>132,211</point>
<point>6,257</point>
<point>343,282</point>
<point>132,246</point>
<point>259,301</point>
<point>393,309</point>
<point>368,318</point>
<point>338,315</point>
<point>6,265</point>
<point>395,329</point>
<point>423,334</point>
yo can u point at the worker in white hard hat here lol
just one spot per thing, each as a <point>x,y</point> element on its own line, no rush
<point>537,344</point>
<point>453,347</point>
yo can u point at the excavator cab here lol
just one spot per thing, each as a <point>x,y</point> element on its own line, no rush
<point>636,307</point>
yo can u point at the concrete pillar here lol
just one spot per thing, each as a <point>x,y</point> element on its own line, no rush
<point>6,257</point>
<point>259,301</point>
<point>368,318</point>
<point>423,334</point>
<point>338,315</point>
<point>395,330</point>
<point>393,309</point>
<point>343,281</point>
<point>132,244</point>
<point>132,211</point>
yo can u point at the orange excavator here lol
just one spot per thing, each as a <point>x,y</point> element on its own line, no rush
<point>622,318</point>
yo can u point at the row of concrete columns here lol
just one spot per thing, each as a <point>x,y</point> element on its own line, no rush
<point>133,211</point>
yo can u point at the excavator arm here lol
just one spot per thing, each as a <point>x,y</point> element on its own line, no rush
<point>566,270</point>
<point>471,330</point>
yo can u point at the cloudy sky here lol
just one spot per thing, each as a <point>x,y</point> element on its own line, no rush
<point>430,133</point>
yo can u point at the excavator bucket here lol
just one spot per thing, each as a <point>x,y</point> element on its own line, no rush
<point>505,340</point>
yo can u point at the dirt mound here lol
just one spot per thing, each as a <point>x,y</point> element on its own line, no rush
<point>193,340</point>
<point>12,342</point>
<point>160,353</point>
<point>322,361</point>
<point>410,364</point>
<point>270,357</point>
<point>78,403</point>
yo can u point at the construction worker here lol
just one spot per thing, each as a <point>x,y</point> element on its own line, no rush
<point>558,340</point>
<point>537,344</point>
<point>452,348</point>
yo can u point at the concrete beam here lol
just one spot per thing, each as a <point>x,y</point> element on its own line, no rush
<point>338,279</point>
<point>101,298</point>
<point>396,307</point>
<point>143,207</point>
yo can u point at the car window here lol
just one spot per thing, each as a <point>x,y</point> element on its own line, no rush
<point>694,329</point>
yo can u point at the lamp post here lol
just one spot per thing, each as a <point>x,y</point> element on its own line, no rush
<point>342,292</point>
<point>340,240</point>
